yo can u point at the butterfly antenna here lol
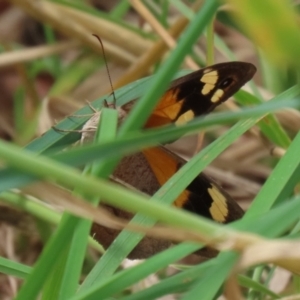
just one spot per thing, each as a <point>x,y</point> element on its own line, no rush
<point>105,60</point>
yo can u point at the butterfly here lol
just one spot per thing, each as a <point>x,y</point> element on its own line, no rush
<point>192,95</point>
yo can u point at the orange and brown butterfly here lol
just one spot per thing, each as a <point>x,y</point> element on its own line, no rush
<point>190,96</point>
<point>193,95</point>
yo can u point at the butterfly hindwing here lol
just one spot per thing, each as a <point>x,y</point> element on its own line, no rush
<point>202,196</point>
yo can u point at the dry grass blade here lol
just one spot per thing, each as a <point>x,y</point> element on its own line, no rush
<point>282,253</point>
<point>277,151</point>
<point>159,29</point>
<point>289,118</point>
<point>54,15</point>
<point>26,55</point>
<point>145,62</point>
<point>232,290</point>
<point>247,186</point>
<point>293,297</point>
<point>224,240</point>
<point>111,32</point>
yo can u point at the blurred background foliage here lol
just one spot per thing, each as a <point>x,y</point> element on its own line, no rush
<point>50,65</point>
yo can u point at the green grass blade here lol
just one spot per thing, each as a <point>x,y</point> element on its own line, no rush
<point>246,282</point>
<point>53,249</point>
<point>128,144</point>
<point>120,9</point>
<point>31,288</point>
<point>70,281</point>
<point>278,187</point>
<point>280,183</point>
<point>160,81</point>
<point>42,166</point>
<point>39,210</point>
<point>118,282</point>
<point>208,286</point>
<point>177,283</point>
<point>216,276</point>
<point>266,225</point>
<point>53,281</point>
<point>14,269</point>
<point>269,125</point>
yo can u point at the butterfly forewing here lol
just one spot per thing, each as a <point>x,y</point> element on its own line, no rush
<point>200,92</point>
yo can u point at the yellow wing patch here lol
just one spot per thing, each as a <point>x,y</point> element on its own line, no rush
<point>184,118</point>
<point>210,79</point>
<point>217,96</point>
<point>218,209</point>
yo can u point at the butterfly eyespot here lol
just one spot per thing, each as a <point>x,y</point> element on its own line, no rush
<point>225,83</point>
